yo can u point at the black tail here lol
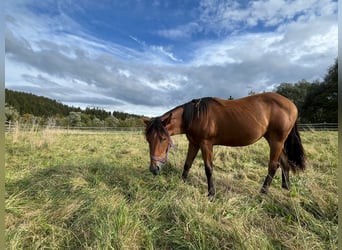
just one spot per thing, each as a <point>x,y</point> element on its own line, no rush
<point>294,150</point>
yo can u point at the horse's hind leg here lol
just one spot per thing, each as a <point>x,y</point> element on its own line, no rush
<point>285,179</point>
<point>272,168</point>
<point>275,152</point>
<point>285,171</point>
<point>192,152</point>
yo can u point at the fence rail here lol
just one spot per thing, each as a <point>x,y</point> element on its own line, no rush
<point>318,126</point>
<point>11,127</point>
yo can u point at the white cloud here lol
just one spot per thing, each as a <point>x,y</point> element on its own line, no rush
<point>76,67</point>
<point>181,32</point>
<point>222,16</point>
<point>162,52</point>
<point>124,72</point>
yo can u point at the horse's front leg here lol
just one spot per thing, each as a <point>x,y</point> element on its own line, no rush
<point>192,152</point>
<point>207,154</point>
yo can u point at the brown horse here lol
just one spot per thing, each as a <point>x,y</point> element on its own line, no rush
<point>213,121</point>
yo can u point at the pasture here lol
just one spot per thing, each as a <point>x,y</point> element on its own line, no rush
<point>94,191</point>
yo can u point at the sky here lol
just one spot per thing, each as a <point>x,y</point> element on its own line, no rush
<point>146,57</point>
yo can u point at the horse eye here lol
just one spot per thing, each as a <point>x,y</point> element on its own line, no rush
<point>163,139</point>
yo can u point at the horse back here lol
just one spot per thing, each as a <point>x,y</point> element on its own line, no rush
<point>244,121</point>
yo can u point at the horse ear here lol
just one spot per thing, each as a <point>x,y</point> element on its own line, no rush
<point>146,120</point>
<point>167,120</point>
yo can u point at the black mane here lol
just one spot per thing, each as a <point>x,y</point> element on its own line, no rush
<point>192,110</point>
<point>195,109</point>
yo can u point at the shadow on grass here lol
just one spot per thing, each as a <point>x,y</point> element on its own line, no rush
<point>65,181</point>
<point>69,203</point>
<point>62,202</point>
<point>57,184</point>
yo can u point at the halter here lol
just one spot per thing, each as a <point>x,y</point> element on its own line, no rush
<point>163,160</point>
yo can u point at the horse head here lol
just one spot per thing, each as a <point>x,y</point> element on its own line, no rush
<point>159,141</point>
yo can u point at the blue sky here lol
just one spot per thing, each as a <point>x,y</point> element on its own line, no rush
<point>145,57</point>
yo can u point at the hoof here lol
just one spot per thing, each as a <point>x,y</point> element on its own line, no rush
<point>184,176</point>
<point>264,190</point>
<point>211,194</point>
<point>211,197</point>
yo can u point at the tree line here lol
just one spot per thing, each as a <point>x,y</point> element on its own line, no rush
<point>29,108</point>
<point>317,102</point>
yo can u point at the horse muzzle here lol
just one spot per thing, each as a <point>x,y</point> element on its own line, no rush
<point>155,169</point>
<point>157,163</point>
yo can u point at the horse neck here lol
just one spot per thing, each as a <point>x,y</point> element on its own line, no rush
<point>175,126</point>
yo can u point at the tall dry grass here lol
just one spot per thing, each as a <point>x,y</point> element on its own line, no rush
<point>94,191</point>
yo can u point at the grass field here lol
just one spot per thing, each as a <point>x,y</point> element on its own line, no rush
<point>94,191</point>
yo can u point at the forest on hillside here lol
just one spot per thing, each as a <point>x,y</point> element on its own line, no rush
<point>28,108</point>
<point>317,102</point>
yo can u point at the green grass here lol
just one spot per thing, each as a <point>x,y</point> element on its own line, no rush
<point>94,191</point>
